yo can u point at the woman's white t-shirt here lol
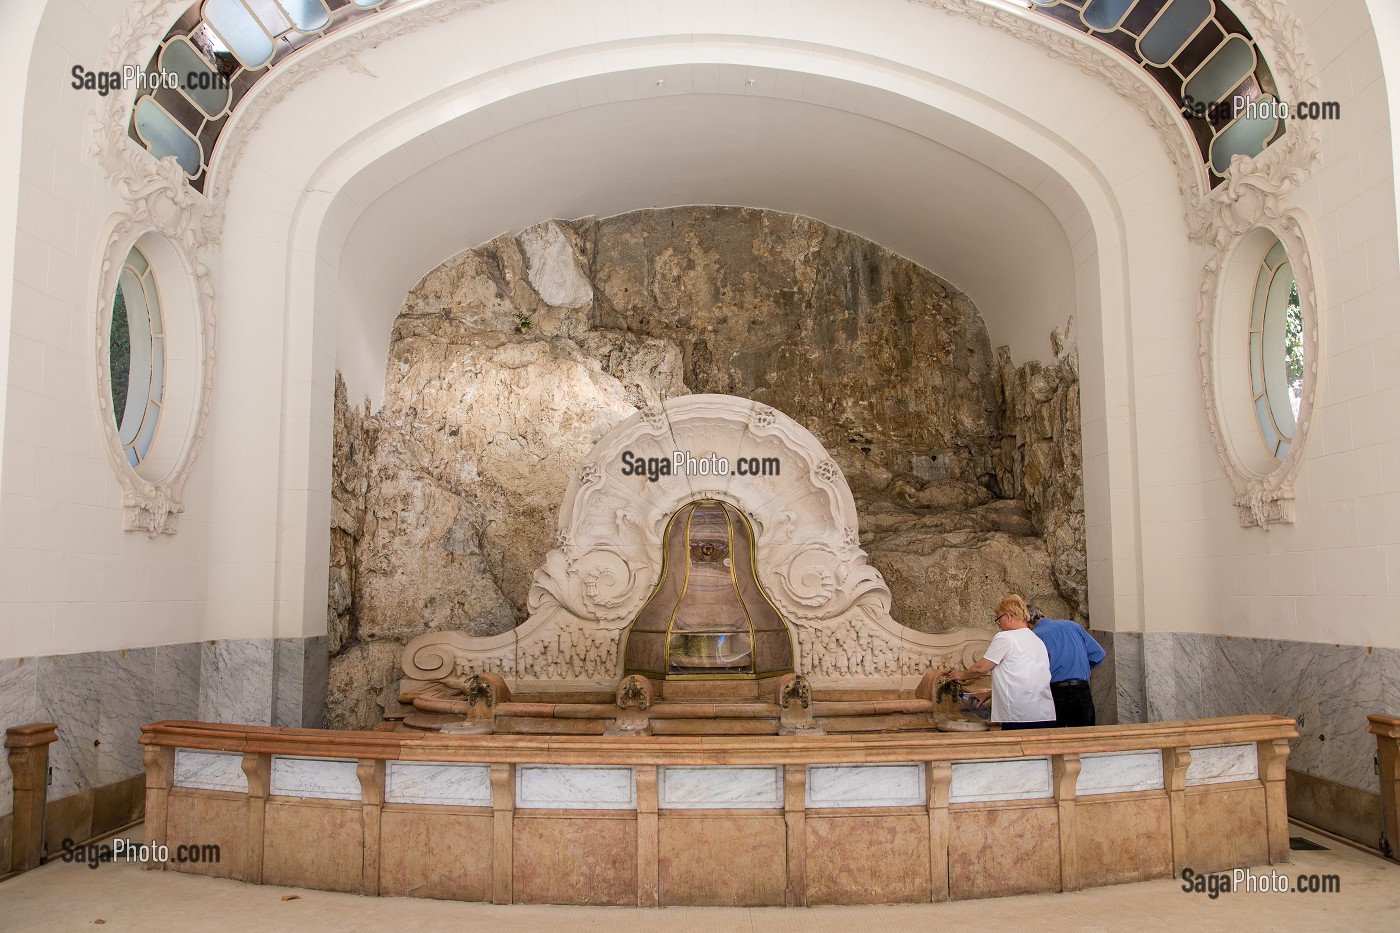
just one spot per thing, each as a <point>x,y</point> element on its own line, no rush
<point>1021,678</point>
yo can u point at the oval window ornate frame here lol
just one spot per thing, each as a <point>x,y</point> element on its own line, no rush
<point>152,492</point>
<point>1263,484</point>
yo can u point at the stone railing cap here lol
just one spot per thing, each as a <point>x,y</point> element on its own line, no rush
<point>1384,725</point>
<point>31,734</point>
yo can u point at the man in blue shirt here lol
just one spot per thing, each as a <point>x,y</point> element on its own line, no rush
<point>1073,652</point>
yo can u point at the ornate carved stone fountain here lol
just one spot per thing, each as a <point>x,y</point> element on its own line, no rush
<point>710,546</point>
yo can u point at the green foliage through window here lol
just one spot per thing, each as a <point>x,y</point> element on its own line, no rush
<point>1293,348</point>
<point>119,358</point>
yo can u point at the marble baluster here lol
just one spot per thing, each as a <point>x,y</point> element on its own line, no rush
<point>1273,771</point>
<point>503,833</point>
<point>370,772</point>
<point>648,838</point>
<point>1175,763</point>
<point>258,768</point>
<point>160,777</point>
<point>795,818</point>
<point>1065,774</point>
<point>939,781</point>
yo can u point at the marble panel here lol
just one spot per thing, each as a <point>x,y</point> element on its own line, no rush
<point>125,703</point>
<point>289,662</point>
<point>201,819</point>
<point>235,681</point>
<point>435,854</point>
<point>313,845</point>
<point>175,670</point>
<point>893,785</point>
<point>1002,851</point>
<point>1103,681</point>
<point>210,770</point>
<point>1191,675</point>
<point>1329,690</point>
<point>315,681</point>
<point>1225,828</point>
<point>1006,779</point>
<point>327,778</point>
<point>575,788</point>
<point>1219,764</point>
<point>1118,841</point>
<point>1130,701</point>
<point>721,861</point>
<point>867,859</point>
<point>1119,772</point>
<point>19,704</point>
<point>575,860</point>
<point>70,694</point>
<point>720,788</point>
<point>459,785</point>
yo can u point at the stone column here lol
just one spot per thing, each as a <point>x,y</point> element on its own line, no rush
<point>29,765</point>
<point>795,816</point>
<point>160,777</point>
<point>258,769</point>
<point>1175,761</point>
<point>939,781</point>
<point>503,839</point>
<point>370,771</point>
<point>1065,770</point>
<point>1387,732</point>
<point>648,839</point>
<point>1273,772</point>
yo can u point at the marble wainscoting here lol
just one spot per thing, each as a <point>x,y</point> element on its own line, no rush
<point>1329,689</point>
<point>1116,684</point>
<point>100,700</point>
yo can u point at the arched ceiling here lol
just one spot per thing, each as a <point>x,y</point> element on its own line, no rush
<point>984,232</point>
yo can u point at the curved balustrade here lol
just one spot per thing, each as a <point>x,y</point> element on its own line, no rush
<point>747,820</point>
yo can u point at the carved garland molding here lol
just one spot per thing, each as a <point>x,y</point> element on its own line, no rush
<point>1261,499</point>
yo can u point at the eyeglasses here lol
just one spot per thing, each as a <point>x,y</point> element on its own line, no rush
<point>998,618</point>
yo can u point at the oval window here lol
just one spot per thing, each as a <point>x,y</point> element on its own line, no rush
<point>136,354</point>
<point>1276,354</point>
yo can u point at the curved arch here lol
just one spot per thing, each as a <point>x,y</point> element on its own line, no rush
<point>1076,181</point>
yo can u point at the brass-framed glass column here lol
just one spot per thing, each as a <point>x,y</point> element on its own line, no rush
<point>708,617</point>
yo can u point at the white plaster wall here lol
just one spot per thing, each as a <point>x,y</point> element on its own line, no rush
<point>314,118</point>
<point>249,560</point>
<point>1334,575</point>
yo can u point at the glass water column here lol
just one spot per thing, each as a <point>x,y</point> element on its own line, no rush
<point>709,616</point>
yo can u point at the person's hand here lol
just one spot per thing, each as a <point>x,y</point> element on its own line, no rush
<point>954,675</point>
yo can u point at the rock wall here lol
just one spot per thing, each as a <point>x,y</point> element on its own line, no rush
<point>1041,460</point>
<point>508,361</point>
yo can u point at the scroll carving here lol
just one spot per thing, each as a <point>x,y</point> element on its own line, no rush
<point>609,559</point>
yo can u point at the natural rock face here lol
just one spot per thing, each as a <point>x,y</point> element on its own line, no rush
<point>508,361</point>
<point>1041,460</point>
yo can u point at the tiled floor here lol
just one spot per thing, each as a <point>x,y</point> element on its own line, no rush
<point>59,897</point>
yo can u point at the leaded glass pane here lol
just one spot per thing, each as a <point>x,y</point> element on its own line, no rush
<point>1276,256</point>
<point>307,15</point>
<point>1266,424</point>
<point>1177,23</point>
<point>164,137</point>
<point>1222,72</point>
<point>1104,15</point>
<point>1246,136</point>
<point>148,430</point>
<point>239,31</point>
<point>200,83</point>
<point>1261,291</point>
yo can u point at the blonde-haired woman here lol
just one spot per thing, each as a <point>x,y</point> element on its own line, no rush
<point>1020,669</point>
